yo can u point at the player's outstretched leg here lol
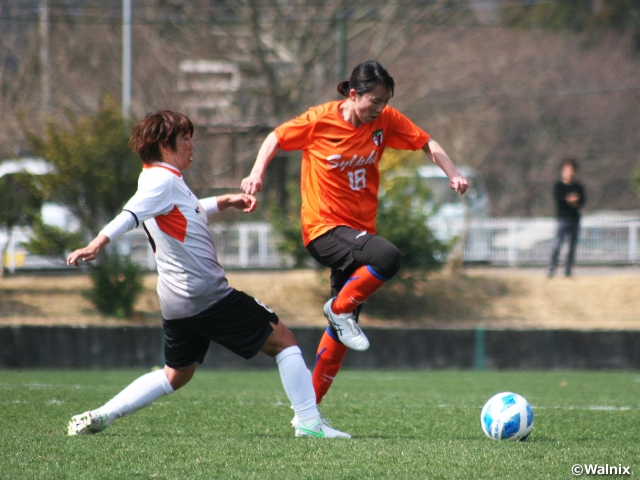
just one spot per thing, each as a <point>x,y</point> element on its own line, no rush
<point>142,392</point>
<point>296,380</point>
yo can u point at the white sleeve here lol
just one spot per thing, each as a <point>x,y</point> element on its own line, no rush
<point>154,196</point>
<point>210,205</point>
<point>120,225</point>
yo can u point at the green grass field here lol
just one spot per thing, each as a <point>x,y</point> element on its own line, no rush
<point>236,425</point>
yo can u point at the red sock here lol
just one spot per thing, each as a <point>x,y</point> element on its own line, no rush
<point>328,362</point>
<point>358,288</point>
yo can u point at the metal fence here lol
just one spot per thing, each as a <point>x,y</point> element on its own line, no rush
<point>506,241</point>
<point>240,245</point>
<point>520,241</point>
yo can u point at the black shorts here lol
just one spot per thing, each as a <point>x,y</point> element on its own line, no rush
<point>344,249</point>
<point>238,322</point>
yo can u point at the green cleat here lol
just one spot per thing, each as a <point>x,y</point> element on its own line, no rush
<point>318,429</point>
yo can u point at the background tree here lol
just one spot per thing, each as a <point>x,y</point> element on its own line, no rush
<point>403,212</point>
<point>52,241</point>
<point>477,83</point>
<point>94,174</point>
<point>20,205</point>
<point>94,170</point>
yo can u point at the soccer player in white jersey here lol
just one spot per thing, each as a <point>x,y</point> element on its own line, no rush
<point>198,305</point>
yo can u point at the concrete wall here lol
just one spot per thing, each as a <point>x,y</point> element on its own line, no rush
<point>126,347</point>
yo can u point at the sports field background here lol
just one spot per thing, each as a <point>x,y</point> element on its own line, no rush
<point>235,425</point>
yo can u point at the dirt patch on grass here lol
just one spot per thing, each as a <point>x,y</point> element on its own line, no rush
<point>494,298</point>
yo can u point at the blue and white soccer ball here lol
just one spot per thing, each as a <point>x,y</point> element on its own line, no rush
<point>507,416</point>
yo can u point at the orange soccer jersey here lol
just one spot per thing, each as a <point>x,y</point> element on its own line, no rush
<point>339,175</point>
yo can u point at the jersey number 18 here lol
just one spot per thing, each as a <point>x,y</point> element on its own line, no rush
<point>357,179</point>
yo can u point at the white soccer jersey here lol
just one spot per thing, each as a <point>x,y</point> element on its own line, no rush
<point>190,277</point>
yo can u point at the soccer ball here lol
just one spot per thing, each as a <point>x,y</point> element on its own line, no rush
<point>507,416</point>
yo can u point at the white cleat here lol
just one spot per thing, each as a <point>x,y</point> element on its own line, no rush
<point>319,428</point>
<point>347,328</point>
<point>86,423</point>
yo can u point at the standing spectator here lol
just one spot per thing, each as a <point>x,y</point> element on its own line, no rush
<point>569,197</point>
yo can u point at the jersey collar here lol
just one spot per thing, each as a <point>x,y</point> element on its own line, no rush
<point>171,168</point>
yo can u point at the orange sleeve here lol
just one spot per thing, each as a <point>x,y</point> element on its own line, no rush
<point>405,135</point>
<point>297,134</point>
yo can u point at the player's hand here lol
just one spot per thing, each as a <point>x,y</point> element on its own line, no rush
<point>459,184</point>
<point>251,184</point>
<point>90,252</point>
<point>241,201</point>
<point>83,254</point>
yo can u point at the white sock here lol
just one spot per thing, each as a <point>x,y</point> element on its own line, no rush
<point>141,392</point>
<point>296,380</point>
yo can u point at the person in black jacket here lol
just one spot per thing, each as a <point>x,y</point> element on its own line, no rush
<point>569,198</point>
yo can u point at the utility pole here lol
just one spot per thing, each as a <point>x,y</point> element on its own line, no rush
<point>341,44</point>
<point>126,58</point>
<point>44,56</point>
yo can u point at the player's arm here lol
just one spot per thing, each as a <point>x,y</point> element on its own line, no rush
<point>90,252</point>
<point>240,201</point>
<point>120,225</point>
<point>152,198</point>
<point>438,156</point>
<point>253,183</point>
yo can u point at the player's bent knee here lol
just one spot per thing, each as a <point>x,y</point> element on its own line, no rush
<point>179,378</point>
<point>394,261</point>
<point>389,262</point>
<point>280,338</point>
<point>383,256</point>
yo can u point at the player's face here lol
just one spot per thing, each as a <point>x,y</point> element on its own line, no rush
<point>369,106</point>
<point>182,156</point>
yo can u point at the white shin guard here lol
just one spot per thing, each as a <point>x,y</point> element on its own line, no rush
<point>296,380</point>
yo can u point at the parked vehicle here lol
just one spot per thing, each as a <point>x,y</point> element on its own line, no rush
<point>449,205</point>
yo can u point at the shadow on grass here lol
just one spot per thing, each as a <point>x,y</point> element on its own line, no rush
<point>12,308</point>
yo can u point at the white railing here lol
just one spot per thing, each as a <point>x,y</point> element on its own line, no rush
<point>519,241</point>
<point>241,245</point>
<point>504,241</point>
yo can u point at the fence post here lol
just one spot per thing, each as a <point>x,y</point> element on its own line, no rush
<point>243,254</point>
<point>480,350</point>
<point>513,243</point>
<point>262,243</point>
<point>633,242</point>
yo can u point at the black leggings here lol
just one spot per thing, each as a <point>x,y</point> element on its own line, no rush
<point>344,249</point>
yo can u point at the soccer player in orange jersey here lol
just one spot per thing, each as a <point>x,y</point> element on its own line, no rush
<point>342,143</point>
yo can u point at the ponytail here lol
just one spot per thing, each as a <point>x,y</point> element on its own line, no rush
<point>343,88</point>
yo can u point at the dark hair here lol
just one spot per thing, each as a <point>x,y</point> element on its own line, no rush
<point>365,77</point>
<point>156,129</point>
<point>569,161</point>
